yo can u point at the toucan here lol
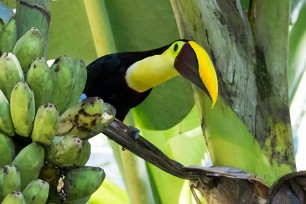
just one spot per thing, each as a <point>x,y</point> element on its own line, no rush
<point>125,79</point>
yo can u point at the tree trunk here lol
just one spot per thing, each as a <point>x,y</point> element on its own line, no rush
<point>249,128</point>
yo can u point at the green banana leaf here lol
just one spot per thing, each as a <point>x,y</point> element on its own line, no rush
<point>69,32</point>
<point>296,78</point>
<point>297,41</point>
<point>109,193</point>
<point>183,143</point>
<point>165,104</point>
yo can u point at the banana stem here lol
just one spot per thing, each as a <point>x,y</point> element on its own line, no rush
<point>100,27</point>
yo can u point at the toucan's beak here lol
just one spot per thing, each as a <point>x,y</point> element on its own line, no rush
<point>194,64</point>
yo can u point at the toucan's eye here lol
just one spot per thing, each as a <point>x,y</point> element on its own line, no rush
<point>175,47</point>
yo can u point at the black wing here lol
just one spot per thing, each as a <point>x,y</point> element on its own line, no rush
<point>106,79</point>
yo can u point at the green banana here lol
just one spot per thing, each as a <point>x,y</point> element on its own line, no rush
<point>63,74</point>
<point>39,78</point>
<point>45,122</point>
<point>36,192</point>
<point>82,182</point>
<point>10,73</point>
<point>8,36</point>
<point>84,155</point>
<point>9,180</point>
<point>7,150</point>
<point>29,161</point>
<point>29,47</point>
<point>6,123</point>
<point>22,108</point>
<point>86,119</point>
<point>64,150</point>
<point>80,81</point>
<point>14,197</point>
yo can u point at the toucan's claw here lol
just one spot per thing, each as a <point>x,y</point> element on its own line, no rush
<point>135,131</point>
<point>83,96</point>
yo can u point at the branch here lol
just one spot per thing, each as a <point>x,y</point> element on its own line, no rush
<point>124,136</point>
<point>204,179</point>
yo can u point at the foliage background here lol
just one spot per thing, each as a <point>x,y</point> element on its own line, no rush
<point>135,25</point>
<point>138,25</point>
<point>88,29</point>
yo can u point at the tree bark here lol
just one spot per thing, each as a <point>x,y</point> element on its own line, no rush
<point>250,126</point>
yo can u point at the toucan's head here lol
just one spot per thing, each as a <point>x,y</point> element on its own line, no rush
<point>184,57</point>
<point>194,64</point>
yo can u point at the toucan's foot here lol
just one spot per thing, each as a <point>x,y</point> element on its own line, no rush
<point>135,132</point>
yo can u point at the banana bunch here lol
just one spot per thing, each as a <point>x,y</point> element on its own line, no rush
<point>41,105</point>
<point>29,178</point>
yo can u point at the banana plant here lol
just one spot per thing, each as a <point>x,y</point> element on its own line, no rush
<point>249,128</point>
<point>250,51</point>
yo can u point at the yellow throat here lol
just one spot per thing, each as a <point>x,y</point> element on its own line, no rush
<point>150,72</point>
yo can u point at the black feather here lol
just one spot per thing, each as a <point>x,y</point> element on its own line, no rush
<point>106,79</point>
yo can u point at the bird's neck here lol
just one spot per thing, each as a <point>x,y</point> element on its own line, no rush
<point>150,72</point>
